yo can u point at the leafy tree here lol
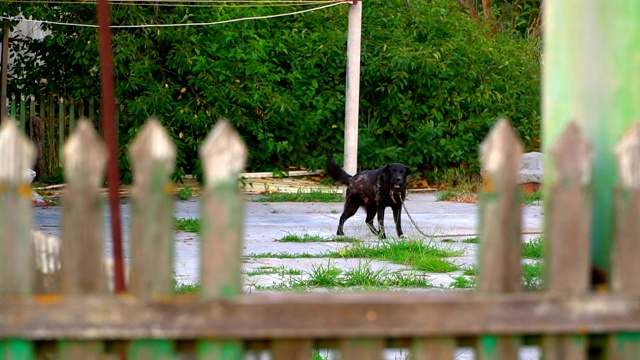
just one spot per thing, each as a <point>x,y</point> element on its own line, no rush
<point>432,83</point>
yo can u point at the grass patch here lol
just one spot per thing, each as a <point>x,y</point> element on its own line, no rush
<point>360,276</point>
<point>414,253</point>
<point>185,193</point>
<point>446,195</point>
<point>532,276</point>
<point>272,270</point>
<point>185,289</point>
<point>302,196</point>
<point>434,265</point>
<point>456,196</point>
<point>286,255</point>
<point>363,275</point>
<point>533,198</point>
<point>302,239</point>
<point>342,238</point>
<point>464,282</point>
<point>324,276</point>
<point>532,249</point>
<point>475,240</point>
<point>471,270</point>
<point>188,224</point>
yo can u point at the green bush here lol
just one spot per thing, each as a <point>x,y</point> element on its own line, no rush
<point>433,81</point>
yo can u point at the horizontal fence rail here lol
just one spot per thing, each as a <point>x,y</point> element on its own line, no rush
<point>67,300</point>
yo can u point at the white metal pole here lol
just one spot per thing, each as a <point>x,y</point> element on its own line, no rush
<point>352,102</point>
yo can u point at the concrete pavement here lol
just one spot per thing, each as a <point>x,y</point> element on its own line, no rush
<point>267,222</point>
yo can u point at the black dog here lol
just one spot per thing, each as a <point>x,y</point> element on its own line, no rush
<point>374,190</point>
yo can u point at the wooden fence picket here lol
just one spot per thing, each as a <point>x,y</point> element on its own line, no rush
<point>153,157</point>
<point>361,348</point>
<point>16,266</point>
<point>82,271</point>
<point>223,156</point>
<point>285,349</point>
<point>568,242</point>
<point>626,245</point>
<point>151,319</point>
<point>436,348</point>
<point>500,239</point>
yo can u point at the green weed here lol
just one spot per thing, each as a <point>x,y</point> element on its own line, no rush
<point>363,275</point>
<point>414,253</point>
<point>302,196</point>
<point>301,238</point>
<point>533,198</point>
<point>286,255</point>
<point>471,270</point>
<point>446,195</point>
<point>324,276</point>
<point>532,276</point>
<point>185,193</point>
<point>185,289</point>
<point>188,224</point>
<point>532,249</point>
<point>464,282</point>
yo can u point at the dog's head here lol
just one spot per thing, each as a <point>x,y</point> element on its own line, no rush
<point>395,175</point>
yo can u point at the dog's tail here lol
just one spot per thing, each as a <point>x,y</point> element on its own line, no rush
<point>336,172</point>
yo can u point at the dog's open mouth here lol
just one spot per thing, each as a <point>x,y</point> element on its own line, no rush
<point>396,186</point>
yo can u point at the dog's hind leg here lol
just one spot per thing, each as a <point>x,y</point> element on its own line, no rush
<point>381,233</point>
<point>371,214</point>
<point>350,208</point>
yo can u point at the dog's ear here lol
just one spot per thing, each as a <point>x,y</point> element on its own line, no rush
<point>408,170</point>
<point>385,173</point>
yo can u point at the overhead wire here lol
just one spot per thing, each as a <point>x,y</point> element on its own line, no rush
<point>12,18</point>
<point>198,3</point>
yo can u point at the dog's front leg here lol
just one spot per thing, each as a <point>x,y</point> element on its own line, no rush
<point>397,219</point>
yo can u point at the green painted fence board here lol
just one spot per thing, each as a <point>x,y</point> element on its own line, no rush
<point>223,156</point>
<point>152,350</point>
<point>16,349</point>
<point>592,76</point>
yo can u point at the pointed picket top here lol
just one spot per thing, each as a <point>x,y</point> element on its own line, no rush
<point>152,146</point>
<point>502,149</point>
<point>628,155</point>
<point>223,153</point>
<point>17,153</point>
<point>85,155</point>
<point>572,156</point>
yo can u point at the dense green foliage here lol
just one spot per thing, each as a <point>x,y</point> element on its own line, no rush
<point>433,81</point>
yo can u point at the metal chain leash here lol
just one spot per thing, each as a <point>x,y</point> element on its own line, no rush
<point>454,235</point>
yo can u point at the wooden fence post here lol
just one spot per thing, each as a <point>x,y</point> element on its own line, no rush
<point>23,111</point>
<point>500,223</point>
<point>223,156</point>
<point>16,251</point>
<point>82,269</point>
<point>61,130</point>
<point>567,244</point>
<point>153,157</point>
<point>626,247</point>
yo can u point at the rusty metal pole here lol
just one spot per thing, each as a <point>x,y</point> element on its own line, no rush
<point>111,138</point>
<point>5,71</point>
